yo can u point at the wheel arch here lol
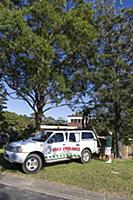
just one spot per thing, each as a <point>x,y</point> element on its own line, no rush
<point>85,159</point>
<point>39,154</point>
<point>87,148</point>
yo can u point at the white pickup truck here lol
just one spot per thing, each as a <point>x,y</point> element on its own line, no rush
<point>52,146</point>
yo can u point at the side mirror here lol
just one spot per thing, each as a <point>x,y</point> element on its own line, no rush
<point>51,140</point>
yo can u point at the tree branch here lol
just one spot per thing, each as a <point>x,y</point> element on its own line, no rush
<point>29,101</point>
<point>65,104</point>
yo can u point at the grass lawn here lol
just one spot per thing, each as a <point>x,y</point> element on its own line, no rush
<point>115,178</point>
<point>95,176</point>
<point>1,151</point>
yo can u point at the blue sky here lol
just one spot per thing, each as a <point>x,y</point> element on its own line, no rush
<point>128,3</point>
<point>20,107</point>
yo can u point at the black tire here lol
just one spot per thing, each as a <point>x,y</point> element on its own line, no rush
<point>85,156</point>
<point>32,164</point>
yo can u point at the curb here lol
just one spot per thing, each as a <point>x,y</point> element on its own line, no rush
<point>54,189</point>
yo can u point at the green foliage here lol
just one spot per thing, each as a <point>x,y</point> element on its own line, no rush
<point>48,120</point>
<point>113,67</point>
<point>16,126</point>
<point>43,46</point>
<point>27,132</point>
<point>12,121</point>
<point>112,81</point>
<point>110,89</point>
<point>51,120</point>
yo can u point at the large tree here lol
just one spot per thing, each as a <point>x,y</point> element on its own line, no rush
<point>114,68</point>
<point>42,45</point>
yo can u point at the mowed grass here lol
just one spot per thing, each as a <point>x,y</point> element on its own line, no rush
<point>95,176</point>
<point>98,176</point>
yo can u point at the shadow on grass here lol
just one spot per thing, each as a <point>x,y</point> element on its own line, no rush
<point>5,165</point>
<point>67,162</point>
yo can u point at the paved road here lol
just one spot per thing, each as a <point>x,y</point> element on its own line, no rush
<point>12,193</point>
<point>23,188</point>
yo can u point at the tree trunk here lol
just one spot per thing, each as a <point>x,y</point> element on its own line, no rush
<point>117,143</point>
<point>84,121</point>
<point>40,99</point>
<point>39,115</point>
<point>117,129</point>
<point>38,119</point>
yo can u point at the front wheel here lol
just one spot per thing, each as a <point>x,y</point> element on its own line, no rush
<point>85,156</point>
<point>32,164</point>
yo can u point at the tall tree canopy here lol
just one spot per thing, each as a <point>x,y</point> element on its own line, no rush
<point>42,46</point>
<point>113,69</point>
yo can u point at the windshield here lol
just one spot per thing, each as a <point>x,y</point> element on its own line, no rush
<point>42,137</point>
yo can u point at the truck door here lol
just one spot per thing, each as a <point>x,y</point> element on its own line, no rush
<point>72,148</point>
<point>88,140</point>
<point>55,146</point>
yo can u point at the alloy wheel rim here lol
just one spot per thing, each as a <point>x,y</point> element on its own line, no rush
<point>32,164</point>
<point>86,156</point>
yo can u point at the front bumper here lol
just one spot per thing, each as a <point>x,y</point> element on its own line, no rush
<point>15,157</point>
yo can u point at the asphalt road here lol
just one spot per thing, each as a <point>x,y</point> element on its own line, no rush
<point>12,193</point>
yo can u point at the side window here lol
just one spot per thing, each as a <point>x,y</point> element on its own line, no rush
<point>87,135</point>
<point>74,137</point>
<point>57,137</point>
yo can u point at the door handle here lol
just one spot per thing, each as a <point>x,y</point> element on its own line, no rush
<point>77,145</point>
<point>63,144</point>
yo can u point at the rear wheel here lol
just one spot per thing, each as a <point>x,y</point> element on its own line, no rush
<point>32,164</point>
<point>85,156</point>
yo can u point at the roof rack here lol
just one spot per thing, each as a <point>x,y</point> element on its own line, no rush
<point>60,127</point>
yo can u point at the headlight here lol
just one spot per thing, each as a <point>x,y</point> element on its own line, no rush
<point>17,149</point>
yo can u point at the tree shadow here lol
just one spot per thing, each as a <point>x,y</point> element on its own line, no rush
<point>58,163</point>
<point>3,195</point>
<point>5,165</point>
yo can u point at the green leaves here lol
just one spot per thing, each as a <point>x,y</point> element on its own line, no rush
<point>77,23</point>
<point>12,120</point>
<point>113,67</point>
<point>42,47</point>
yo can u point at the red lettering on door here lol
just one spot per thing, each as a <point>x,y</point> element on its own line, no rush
<point>57,149</point>
<point>71,148</point>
